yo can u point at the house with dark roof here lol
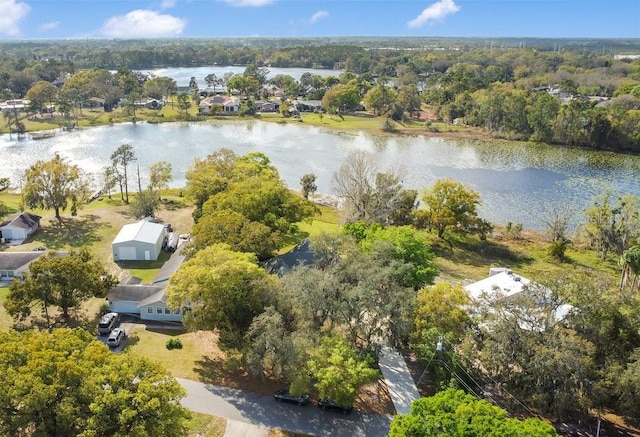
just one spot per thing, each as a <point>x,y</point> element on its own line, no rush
<point>19,227</point>
<point>302,254</point>
<point>149,301</point>
<point>15,264</point>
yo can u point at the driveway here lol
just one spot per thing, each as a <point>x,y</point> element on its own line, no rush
<point>264,411</point>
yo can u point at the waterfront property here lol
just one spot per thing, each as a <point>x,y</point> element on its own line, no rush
<point>505,287</point>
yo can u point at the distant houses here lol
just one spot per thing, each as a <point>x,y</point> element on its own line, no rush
<point>219,104</point>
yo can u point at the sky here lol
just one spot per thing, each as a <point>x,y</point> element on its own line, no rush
<point>55,19</point>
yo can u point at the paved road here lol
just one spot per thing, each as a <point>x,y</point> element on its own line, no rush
<point>263,410</point>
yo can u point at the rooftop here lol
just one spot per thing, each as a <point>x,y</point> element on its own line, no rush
<point>143,231</point>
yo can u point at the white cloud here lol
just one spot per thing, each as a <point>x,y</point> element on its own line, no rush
<point>49,26</point>
<point>10,15</point>
<point>167,4</point>
<point>434,12</point>
<point>320,15</point>
<point>143,23</point>
<point>249,3</point>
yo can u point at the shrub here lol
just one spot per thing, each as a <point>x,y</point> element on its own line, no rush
<point>174,343</point>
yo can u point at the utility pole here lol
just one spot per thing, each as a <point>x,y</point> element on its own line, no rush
<point>139,184</point>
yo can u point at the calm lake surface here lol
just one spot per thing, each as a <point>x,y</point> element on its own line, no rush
<point>518,182</point>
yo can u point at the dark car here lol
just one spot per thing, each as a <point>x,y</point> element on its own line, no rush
<point>327,404</point>
<point>285,396</point>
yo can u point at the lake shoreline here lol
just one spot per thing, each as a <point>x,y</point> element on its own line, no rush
<point>355,122</point>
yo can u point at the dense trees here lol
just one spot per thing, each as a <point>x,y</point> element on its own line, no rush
<point>224,290</point>
<point>66,383</point>
<point>454,413</point>
<point>61,280</point>
<point>52,184</point>
<point>245,194</point>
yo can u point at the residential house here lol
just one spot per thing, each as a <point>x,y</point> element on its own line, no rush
<point>19,227</point>
<point>267,106</point>
<point>503,284</point>
<point>309,105</point>
<point>227,105</point>
<point>9,108</point>
<point>140,241</point>
<point>301,255</point>
<point>149,302</point>
<point>15,264</point>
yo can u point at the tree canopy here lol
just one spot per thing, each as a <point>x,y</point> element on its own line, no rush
<point>224,290</point>
<point>52,184</point>
<point>449,205</point>
<point>62,280</point>
<point>66,383</point>
<point>453,413</point>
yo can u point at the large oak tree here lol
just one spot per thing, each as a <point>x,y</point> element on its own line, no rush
<point>67,384</point>
<point>52,184</point>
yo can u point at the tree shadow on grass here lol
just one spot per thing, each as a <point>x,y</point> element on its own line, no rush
<point>173,205</point>
<point>74,232</point>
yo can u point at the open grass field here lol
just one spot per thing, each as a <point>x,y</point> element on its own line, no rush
<point>95,227</point>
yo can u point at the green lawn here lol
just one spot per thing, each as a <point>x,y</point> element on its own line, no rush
<point>5,320</point>
<point>179,362</point>
<point>204,425</point>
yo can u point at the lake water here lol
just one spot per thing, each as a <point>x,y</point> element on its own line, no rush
<point>183,75</point>
<point>518,182</point>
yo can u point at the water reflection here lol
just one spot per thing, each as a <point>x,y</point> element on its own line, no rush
<point>518,182</point>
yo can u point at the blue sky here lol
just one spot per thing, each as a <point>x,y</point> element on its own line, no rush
<point>36,19</point>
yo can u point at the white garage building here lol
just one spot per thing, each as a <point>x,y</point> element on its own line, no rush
<point>140,241</point>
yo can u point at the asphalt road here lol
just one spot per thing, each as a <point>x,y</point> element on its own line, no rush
<point>263,410</point>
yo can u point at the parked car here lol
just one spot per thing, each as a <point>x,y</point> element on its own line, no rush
<point>107,323</point>
<point>328,404</point>
<point>116,337</point>
<point>285,396</point>
<point>172,242</point>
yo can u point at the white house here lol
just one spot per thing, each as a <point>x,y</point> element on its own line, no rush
<point>15,264</point>
<point>149,302</point>
<point>225,103</point>
<point>19,227</point>
<point>503,283</point>
<point>139,241</point>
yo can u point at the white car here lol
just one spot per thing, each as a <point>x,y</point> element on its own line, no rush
<point>116,337</point>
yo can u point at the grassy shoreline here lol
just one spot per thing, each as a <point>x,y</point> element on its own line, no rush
<point>360,121</point>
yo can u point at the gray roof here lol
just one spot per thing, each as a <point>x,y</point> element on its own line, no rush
<point>24,220</point>
<point>160,296</point>
<point>16,260</point>
<point>142,231</point>
<point>133,293</point>
<point>302,254</point>
<point>170,266</point>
